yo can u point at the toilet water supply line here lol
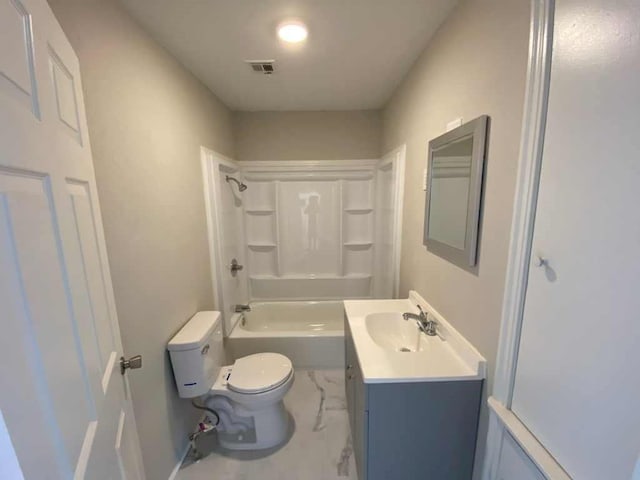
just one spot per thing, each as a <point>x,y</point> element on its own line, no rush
<point>202,407</point>
<point>222,418</point>
<point>203,427</point>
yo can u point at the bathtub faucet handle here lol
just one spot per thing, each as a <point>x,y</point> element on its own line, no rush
<point>242,308</point>
<point>235,267</point>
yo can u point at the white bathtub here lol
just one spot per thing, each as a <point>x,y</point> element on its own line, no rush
<point>311,334</point>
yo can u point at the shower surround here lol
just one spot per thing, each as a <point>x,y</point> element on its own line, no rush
<point>309,229</point>
<point>293,239</point>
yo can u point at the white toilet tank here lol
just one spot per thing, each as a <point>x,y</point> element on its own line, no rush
<point>197,354</point>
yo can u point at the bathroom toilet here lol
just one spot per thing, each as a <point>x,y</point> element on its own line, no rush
<point>247,396</point>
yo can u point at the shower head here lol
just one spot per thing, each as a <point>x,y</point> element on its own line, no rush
<point>241,186</point>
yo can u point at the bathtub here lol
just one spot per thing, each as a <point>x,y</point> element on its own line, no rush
<point>311,334</point>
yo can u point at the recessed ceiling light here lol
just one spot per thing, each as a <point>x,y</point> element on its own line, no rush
<point>292,32</point>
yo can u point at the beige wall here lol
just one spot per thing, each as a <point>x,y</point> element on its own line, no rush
<point>475,64</point>
<point>148,118</point>
<point>341,135</point>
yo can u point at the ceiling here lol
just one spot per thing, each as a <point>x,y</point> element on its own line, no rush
<point>357,52</point>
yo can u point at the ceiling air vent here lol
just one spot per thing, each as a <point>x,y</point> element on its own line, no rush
<point>266,67</point>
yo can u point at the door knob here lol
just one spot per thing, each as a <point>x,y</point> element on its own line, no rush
<point>132,363</point>
<point>539,261</point>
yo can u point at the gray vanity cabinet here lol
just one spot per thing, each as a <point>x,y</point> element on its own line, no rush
<point>411,431</point>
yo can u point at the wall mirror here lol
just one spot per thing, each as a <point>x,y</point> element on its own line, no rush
<point>454,192</point>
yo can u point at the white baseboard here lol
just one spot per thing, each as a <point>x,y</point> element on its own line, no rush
<point>174,472</point>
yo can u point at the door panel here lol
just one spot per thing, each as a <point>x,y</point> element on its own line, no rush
<point>23,199</point>
<point>576,386</point>
<point>63,85</point>
<point>33,242</point>
<point>126,444</point>
<point>17,72</point>
<point>64,402</point>
<point>100,337</point>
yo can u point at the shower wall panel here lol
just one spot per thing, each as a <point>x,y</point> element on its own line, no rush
<point>310,229</point>
<point>309,224</point>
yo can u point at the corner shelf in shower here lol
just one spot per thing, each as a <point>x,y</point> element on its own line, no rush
<point>356,255</point>
<point>261,227</point>
<point>358,276</point>
<point>357,244</point>
<point>259,211</point>
<point>358,210</point>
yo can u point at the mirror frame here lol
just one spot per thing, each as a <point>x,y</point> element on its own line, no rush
<point>466,257</point>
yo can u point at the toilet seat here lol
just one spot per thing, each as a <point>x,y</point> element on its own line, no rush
<point>259,373</point>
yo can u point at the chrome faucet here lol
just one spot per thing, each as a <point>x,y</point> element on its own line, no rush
<point>241,308</point>
<point>427,326</point>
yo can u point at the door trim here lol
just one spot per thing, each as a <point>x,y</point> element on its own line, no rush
<point>527,182</point>
<point>397,158</point>
<point>211,161</point>
<point>526,196</point>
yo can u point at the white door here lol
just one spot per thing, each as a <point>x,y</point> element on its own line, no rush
<point>62,397</point>
<point>577,387</point>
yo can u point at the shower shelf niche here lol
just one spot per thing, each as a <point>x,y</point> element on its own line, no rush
<point>359,210</point>
<point>260,211</point>
<point>357,227</point>
<point>261,227</point>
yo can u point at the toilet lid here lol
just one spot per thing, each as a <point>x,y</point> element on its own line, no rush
<point>259,372</point>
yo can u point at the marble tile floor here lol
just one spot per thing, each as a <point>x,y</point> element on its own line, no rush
<point>318,449</point>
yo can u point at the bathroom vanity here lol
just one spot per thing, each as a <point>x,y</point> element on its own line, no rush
<point>413,400</point>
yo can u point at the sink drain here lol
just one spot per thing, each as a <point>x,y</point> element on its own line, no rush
<point>405,349</point>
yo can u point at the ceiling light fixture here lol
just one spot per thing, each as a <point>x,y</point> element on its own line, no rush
<point>292,32</point>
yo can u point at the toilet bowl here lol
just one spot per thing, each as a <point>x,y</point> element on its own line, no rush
<point>247,396</point>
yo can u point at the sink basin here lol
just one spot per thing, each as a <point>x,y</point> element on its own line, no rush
<point>392,350</point>
<point>392,332</point>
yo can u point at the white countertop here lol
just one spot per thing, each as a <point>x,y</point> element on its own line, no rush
<point>447,357</point>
